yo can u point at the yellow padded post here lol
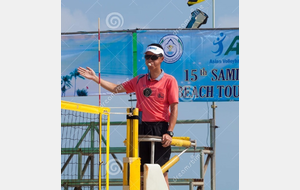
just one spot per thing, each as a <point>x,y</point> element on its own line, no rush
<point>179,142</point>
<point>131,163</point>
<point>135,133</point>
<point>170,163</point>
<point>182,138</point>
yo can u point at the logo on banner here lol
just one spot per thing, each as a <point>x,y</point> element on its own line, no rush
<point>173,48</point>
<point>219,42</point>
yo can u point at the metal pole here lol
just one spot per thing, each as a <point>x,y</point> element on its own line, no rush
<point>79,164</point>
<point>152,151</point>
<point>100,152</point>
<point>201,164</point>
<point>85,166</point>
<point>213,13</point>
<point>191,186</point>
<point>92,156</point>
<point>107,149</point>
<point>66,163</point>
<point>213,145</point>
<point>99,61</point>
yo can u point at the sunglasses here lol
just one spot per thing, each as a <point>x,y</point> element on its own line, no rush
<point>152,57</point>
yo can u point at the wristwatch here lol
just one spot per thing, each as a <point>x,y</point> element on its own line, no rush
<point>170,133</point>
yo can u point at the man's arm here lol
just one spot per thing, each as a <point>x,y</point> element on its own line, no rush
<point>173,116</point>
<point>90,74</point>
<point>167,139</point>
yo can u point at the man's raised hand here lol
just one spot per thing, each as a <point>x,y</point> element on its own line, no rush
<point>87,73</point>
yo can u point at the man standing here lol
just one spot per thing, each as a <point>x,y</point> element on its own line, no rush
<point>157,99</point>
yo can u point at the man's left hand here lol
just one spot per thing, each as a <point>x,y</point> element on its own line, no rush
<point>166,140</point>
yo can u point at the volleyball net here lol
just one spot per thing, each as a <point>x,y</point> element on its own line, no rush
<point>84,146</point>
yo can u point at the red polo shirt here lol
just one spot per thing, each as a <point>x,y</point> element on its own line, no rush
<point>164,92</point>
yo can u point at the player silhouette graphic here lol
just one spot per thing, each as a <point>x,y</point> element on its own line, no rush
<point>220,43</point>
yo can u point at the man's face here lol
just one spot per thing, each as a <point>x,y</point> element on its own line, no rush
<point>152,60</point>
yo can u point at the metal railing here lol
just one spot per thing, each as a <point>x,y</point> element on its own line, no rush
<point>191,182</point>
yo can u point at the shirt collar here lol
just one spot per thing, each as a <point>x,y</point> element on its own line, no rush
<point>159,77</point>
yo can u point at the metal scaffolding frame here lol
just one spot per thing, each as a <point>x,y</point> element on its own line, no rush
<point>191,182</point>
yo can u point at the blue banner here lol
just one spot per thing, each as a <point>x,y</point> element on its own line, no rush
<point>205,63</point>
<point>81,50</point>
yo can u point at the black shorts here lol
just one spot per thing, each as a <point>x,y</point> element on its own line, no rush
<point>161,154</point>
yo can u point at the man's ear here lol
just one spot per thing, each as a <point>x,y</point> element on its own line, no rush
<point>162,58</point>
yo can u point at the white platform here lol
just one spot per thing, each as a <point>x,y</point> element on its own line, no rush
<point>154,178</point>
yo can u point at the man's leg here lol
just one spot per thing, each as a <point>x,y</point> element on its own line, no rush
<point>144,150</point>
<point>162,154</point>
<point>167,179</point>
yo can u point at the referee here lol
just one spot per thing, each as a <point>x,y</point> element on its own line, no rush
<point>157,99</point>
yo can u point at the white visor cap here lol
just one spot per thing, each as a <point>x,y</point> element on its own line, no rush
<point>155,50</point>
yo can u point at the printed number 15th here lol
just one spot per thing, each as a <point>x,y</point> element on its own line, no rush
<point>194,76</point>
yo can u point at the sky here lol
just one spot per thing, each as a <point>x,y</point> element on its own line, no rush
<point>266,116</point>
<point>131,14</point>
